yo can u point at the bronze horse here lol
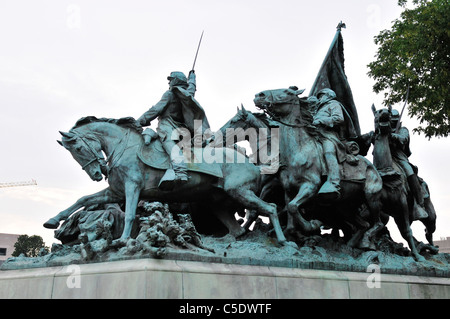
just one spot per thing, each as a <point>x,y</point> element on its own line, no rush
<point>397,199</point>
<point>302,170</point>
<point>131,180</point>
<point>262,134</point>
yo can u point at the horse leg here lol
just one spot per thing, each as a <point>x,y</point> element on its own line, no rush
<point>250,200</point>
<point>403,225</point>
<point>306,192</point>
<point>132,192</point>
<point>430,221</point>
<point>103,197</point>
<point>373,201</point>
<point>373,189</point>
<point>227,218</point>
<point>290,219</point>
<point>430,226</point>
<point>252,216</point>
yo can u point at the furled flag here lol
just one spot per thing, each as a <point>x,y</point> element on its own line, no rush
<point>332,75</point>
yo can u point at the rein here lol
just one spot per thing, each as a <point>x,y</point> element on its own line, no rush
<point>100,159</point>
<point>113,158</point>
<point>276,119</point>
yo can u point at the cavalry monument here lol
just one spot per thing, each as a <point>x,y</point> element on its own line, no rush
<point>184,192</point>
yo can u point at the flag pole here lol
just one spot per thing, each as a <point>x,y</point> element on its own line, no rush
<point>336,37</point>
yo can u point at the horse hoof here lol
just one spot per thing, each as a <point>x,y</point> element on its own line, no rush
<point>315,225</point>
<point>52,223</point>
<point>433,249</point>
<point>238,233</point>
<point>419,258</point>
<point>289,230</point>
<point>291,244</point>
<point>367,245</point>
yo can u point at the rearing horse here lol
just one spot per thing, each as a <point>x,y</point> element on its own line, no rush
<point>262,134</point>
<point>397,201</point>
<point>130,179</point>
<point>302,169</point>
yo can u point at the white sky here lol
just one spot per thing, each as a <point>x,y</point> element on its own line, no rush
<point>62,60</point>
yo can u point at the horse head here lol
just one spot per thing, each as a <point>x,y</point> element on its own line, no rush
<point>240,119</point>
<point>279,101</point>
<point>243,119</point>
<point>382,120</point>
<point>87,151</point>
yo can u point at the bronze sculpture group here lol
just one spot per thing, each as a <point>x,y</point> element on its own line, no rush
<point>323,178</point>
<point>316,175</point>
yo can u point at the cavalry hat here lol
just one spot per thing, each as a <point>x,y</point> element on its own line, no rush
<point>177,75</point>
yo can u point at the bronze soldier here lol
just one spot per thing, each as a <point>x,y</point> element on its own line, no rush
<point>177,109</point>
<point>329,118</point>
<point>399,144</point>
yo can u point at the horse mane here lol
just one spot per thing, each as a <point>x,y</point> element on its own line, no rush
<point>127,122</point>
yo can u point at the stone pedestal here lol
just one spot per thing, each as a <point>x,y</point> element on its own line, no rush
<point>170,279</point>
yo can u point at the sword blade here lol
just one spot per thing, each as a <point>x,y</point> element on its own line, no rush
<point>198,48</point>
<point>403,109</point>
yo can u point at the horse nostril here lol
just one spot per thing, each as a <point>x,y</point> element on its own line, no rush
<point>98,175</point>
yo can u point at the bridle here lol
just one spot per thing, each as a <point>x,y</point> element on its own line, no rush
<point>274,117</point>
<point>106,164</point>
<point>96,156</point>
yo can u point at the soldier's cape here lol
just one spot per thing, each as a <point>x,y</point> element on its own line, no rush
<point>191,109</point>
<point>332,75</point>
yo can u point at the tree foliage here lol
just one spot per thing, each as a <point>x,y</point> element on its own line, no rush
<point>29,246</point>
<point>415,52</point>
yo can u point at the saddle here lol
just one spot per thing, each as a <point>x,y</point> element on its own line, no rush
<point>352,167</point>
<point>155,156</point>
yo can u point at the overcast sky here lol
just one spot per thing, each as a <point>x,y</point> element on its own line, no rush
<point>62,60</point>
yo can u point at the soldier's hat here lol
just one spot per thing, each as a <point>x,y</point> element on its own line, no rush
<point>177,75</point>
<point>328,92</point>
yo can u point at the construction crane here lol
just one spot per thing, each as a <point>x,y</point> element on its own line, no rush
<point>15,184</point>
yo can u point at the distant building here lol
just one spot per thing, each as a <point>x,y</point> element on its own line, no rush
<point>444,245</point>
<point>7,242</point>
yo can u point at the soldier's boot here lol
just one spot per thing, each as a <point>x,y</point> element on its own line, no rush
<point>177,175</point>
<point>330,190</point>
<point>149,135</point>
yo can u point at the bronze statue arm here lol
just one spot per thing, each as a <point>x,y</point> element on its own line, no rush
<point>192,83</point>
<point>331,118</point>
<point>155,110</point>
<point>402,136</point>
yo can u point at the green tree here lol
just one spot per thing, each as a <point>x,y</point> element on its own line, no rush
<point>415,52</point>
<point>30,246</point>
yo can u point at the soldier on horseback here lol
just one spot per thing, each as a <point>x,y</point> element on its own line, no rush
<point>399,144</point>
<point>329,118</point>
<point>177,109</point>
